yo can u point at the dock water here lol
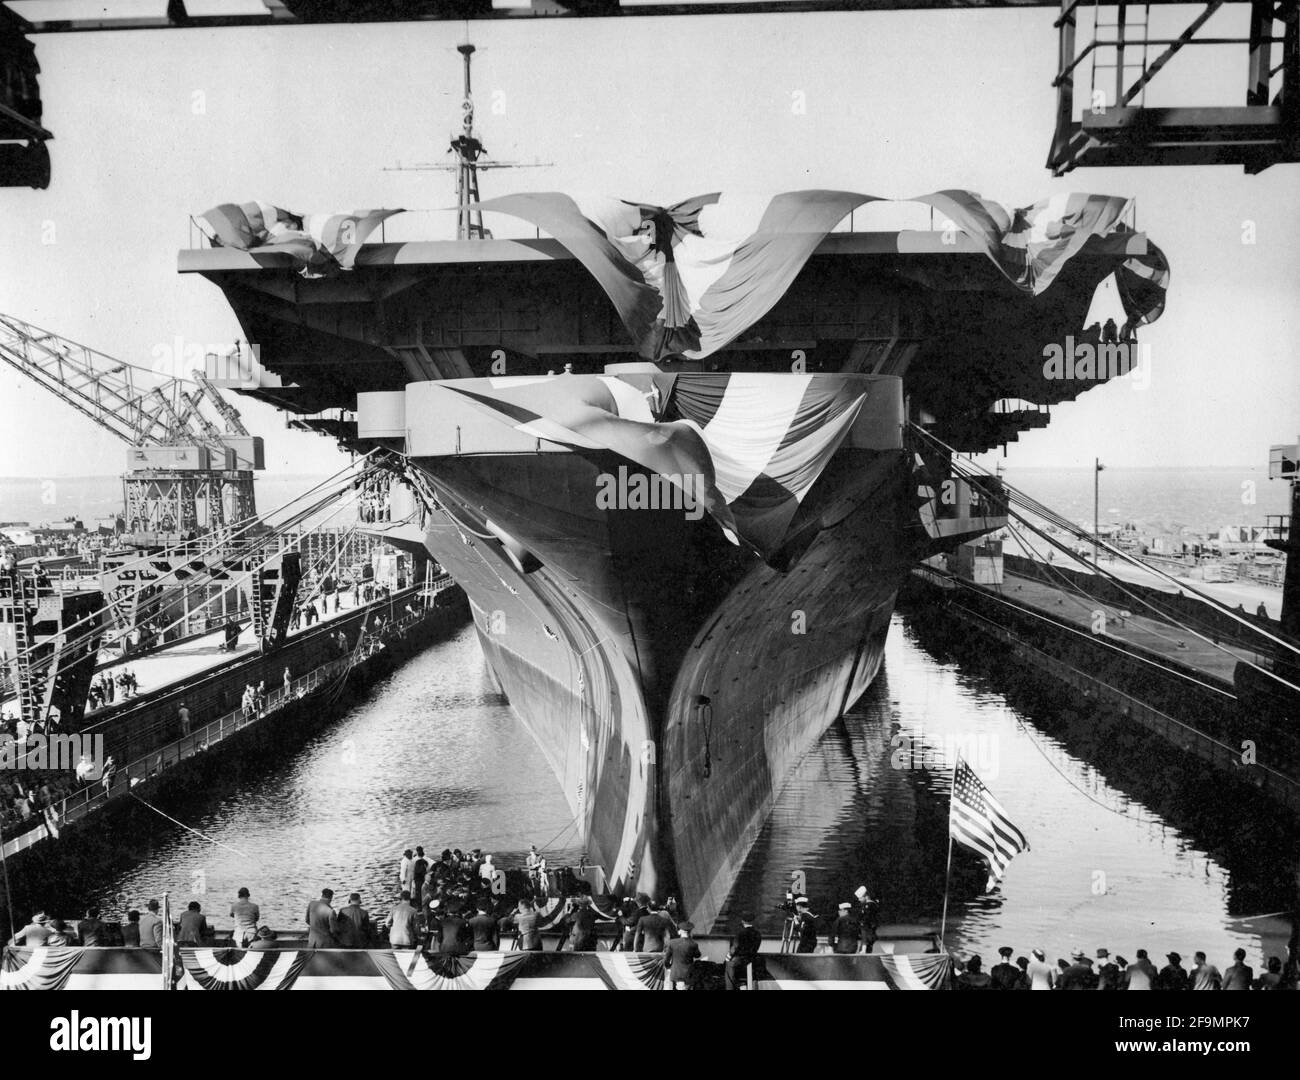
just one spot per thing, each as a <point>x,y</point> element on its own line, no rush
<point>1111,650</point>
<point>153,755</point>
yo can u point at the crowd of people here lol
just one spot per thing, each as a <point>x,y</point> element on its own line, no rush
<point>458,903</point>
<point>1104,972</point>
<point>108,687</point>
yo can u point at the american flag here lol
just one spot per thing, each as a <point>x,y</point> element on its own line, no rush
<point>977,820</point>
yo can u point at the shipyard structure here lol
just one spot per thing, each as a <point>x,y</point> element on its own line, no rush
<point>681,479</point>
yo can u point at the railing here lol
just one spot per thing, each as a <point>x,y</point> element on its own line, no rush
<point>93,795</point>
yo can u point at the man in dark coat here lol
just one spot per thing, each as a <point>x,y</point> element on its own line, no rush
<point>974,977</point>
<point>193,928</point>
<point>680,956</point>
<point>846,932</point>
<point>320,921</point>
<point>1240,975</point>
<point>1172,976</point>
<point>1005,974</point>
<point>1079,975</point>
<point>419,870</point>
<point>582,926</point>
<point>483,927</point>
<point>1108,977</point>
<point>90,931</point>
<point>455,938</point>
<point>744,951</point>
<point>353,924</point>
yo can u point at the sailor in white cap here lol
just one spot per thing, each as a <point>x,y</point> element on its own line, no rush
<point>865,911</point>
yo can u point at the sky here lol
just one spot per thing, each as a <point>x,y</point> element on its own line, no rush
<point>151,127</point>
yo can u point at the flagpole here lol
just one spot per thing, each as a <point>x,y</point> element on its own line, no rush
<point>168,945</point>
<point>947,869</point>
<point>9,899</point>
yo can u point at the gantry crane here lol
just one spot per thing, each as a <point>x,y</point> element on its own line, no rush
<point>185,476</point>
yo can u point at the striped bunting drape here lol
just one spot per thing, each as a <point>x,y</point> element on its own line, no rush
<point>75,968</point>
<point>318,243</point>
<point>750,446</point>
<point>679,290</point>
<point>791,971</point>
<point>239,969</point>
<point>357,969</point>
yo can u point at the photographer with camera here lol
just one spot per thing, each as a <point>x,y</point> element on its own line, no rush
<point>803,929</point>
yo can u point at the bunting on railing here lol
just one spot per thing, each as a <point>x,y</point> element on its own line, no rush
<point>319,243</point>
<point>386,969</point>
<point>681,290</point>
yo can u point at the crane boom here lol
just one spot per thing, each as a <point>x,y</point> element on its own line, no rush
<point>193,412</point>
<point>106,390</point>
<point>228,412</point>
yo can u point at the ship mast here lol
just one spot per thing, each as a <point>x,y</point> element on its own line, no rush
<point>467,148</point>
<point>470,161</point>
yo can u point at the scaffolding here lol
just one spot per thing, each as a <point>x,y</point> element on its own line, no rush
<point>1114,47</point>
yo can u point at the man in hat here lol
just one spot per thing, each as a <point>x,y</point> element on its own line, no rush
<point>974,977</point>
<point>846,933</point>
<point>804,931</point>
<point>1107,971</point>
<point>1041,974</point>
<point>745,947</point>
<point>1172,976</point>
<point>264,941</point>
<point>680,956</point>
<point>1079,975</point>
<point>1205,976</point>
<point>1005,974</point>
<point>1141,974</point>
<point>34,934</point>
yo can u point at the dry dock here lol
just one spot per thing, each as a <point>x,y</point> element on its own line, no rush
<point>1114,651</point>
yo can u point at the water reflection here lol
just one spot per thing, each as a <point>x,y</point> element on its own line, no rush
<point>1107,864</point>
<point>1131,846</point>
<point>432,757</point>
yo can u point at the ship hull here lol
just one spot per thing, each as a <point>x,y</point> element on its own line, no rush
<point>672,679</point>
